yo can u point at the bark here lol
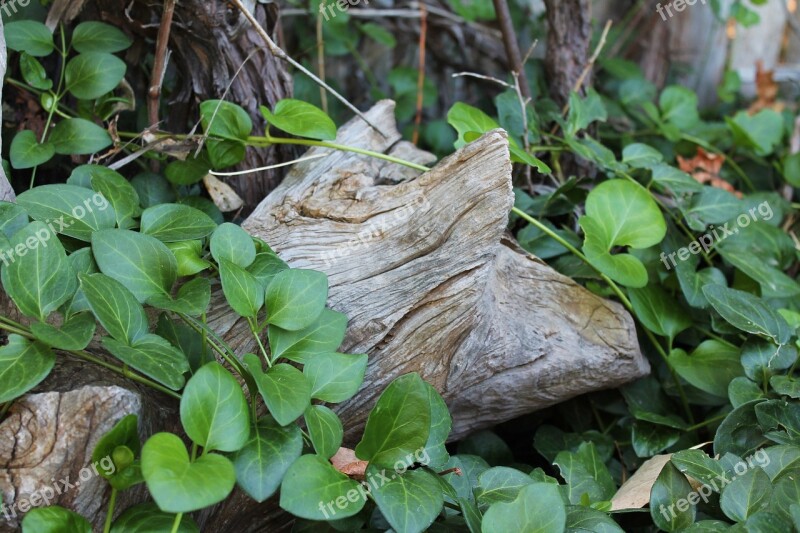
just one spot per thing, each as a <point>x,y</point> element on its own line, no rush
<point>422,266</point>
<point>569,32</point>
<point>209,43</point>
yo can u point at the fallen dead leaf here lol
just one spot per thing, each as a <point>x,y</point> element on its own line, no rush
<point>766,91</point>
<point>346,462</point>
<point>705,167</point>
<point>223,196</point>
<point>635,493</point>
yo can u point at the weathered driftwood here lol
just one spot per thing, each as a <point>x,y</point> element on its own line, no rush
<point>422,266</point>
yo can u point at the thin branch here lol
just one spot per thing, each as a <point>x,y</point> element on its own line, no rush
<point>483,77</point>
<point>510,42</point>
<point>278,52</point>
<point>423,31</point>
<point>323,96</point>
<point>160,62</point>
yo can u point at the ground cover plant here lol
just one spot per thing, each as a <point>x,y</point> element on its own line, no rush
<point>684,216</point>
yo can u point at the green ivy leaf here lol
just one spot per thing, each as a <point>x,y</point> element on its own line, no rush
<point>640,155</point>
<point>671,486</point>
<point>93,74</point>
<point>243,293</point>
<point>23,365</point>
<point>698,465</point>
<point>621,213</point>
<point>500,484</point>
<point>467,119</point>
<point>650,439</point>
<point>301,119</point>
<point>311,484</point>
<point>33,72</point>
<point>232,243</point>
<point>399,423</point>
<point>185,339</point>
<point>785,386</point>
<point>324,336</point>
<point>77,136</point>
<point>580,519</point>
<point>679,107</point>
<point>748,313</point>
<point>115,187</point>
<point>115,307</point>
<point>742,390</point>
<point>584,111</point>
<point>188,255</point>
<point>192,299</point>
<point>740,432</point>
<point>586,474</point>
<point>176,222</point>
<point>94,36</point>
<point>537,509</point>
<point>153,356</point>
<point>762,359</point>
<point>74,334</point>
<point>409,502</point>
<point>265,458</point>
<point>658,311</point>
<point>229,121</point>
<point>284,388</point>
<point>12,218</point>
<point>179,485</point>
<point>441,424</point>
<point>335,377</point>
<point>153,189</point>
<point>710,368</point>
<point>746,495</point>
<point>325,430</point>
<point>214,410</point>
<point>761,132</point>
<point>29,36</point>
<point>140,262</point>
<point>295,298</point>
<point>148,517</point>
<point>74,211</point>
<point>265,266</point>
<point>37,276</point>
<point>54,519</point>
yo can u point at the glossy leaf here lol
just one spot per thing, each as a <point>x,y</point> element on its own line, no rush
<point>284,388</point>
<point>669,487</point>
<point>54,519</point>
<point>146,517</point>
<point>538,508</point>
<point>94,36</point>
<point>91,75</point>
<point>26,152</point>
<point>214,411</point>
<point>324,336</point>
<point>242,291</point>
<point>301,119</point>
<point>232,243</point>
<point>74,334</point>
<point>335,377</point>
<point>176,222</point>
<point>153,356</point>
<point>325,430</point>
<point>179,485</point>
<point>29,36</point>
<point>296,298</point>
<point>311,483</point>
<point>115,307</point>
<point>23,365</point>
<point>68,209</point>
<point>409,502</point>
<point>77,136</point>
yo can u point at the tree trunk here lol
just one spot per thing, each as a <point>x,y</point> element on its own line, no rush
<point>209,42</point>
<point>569,32</point>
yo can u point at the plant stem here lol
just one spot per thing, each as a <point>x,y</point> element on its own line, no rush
<point>177,523</point>
<point>112,502</point>
<point>255,330</point>
<point>706,422</point>
<point>19,329</point>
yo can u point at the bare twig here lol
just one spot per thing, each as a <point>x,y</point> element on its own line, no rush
<point>323,96</point>
<point>423,30</point>
<point>510,42</point>
<point>483,77</point>
<point>160,62</point>
<point>278,52</point>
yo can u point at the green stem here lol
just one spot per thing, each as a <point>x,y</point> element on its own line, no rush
<point>266,141</point>
<point>19,329</point>
<point>715,337</point>
<point>177,523</point>
<point>112,502</point>
<point>255,330</point>
<point>706,422</point>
